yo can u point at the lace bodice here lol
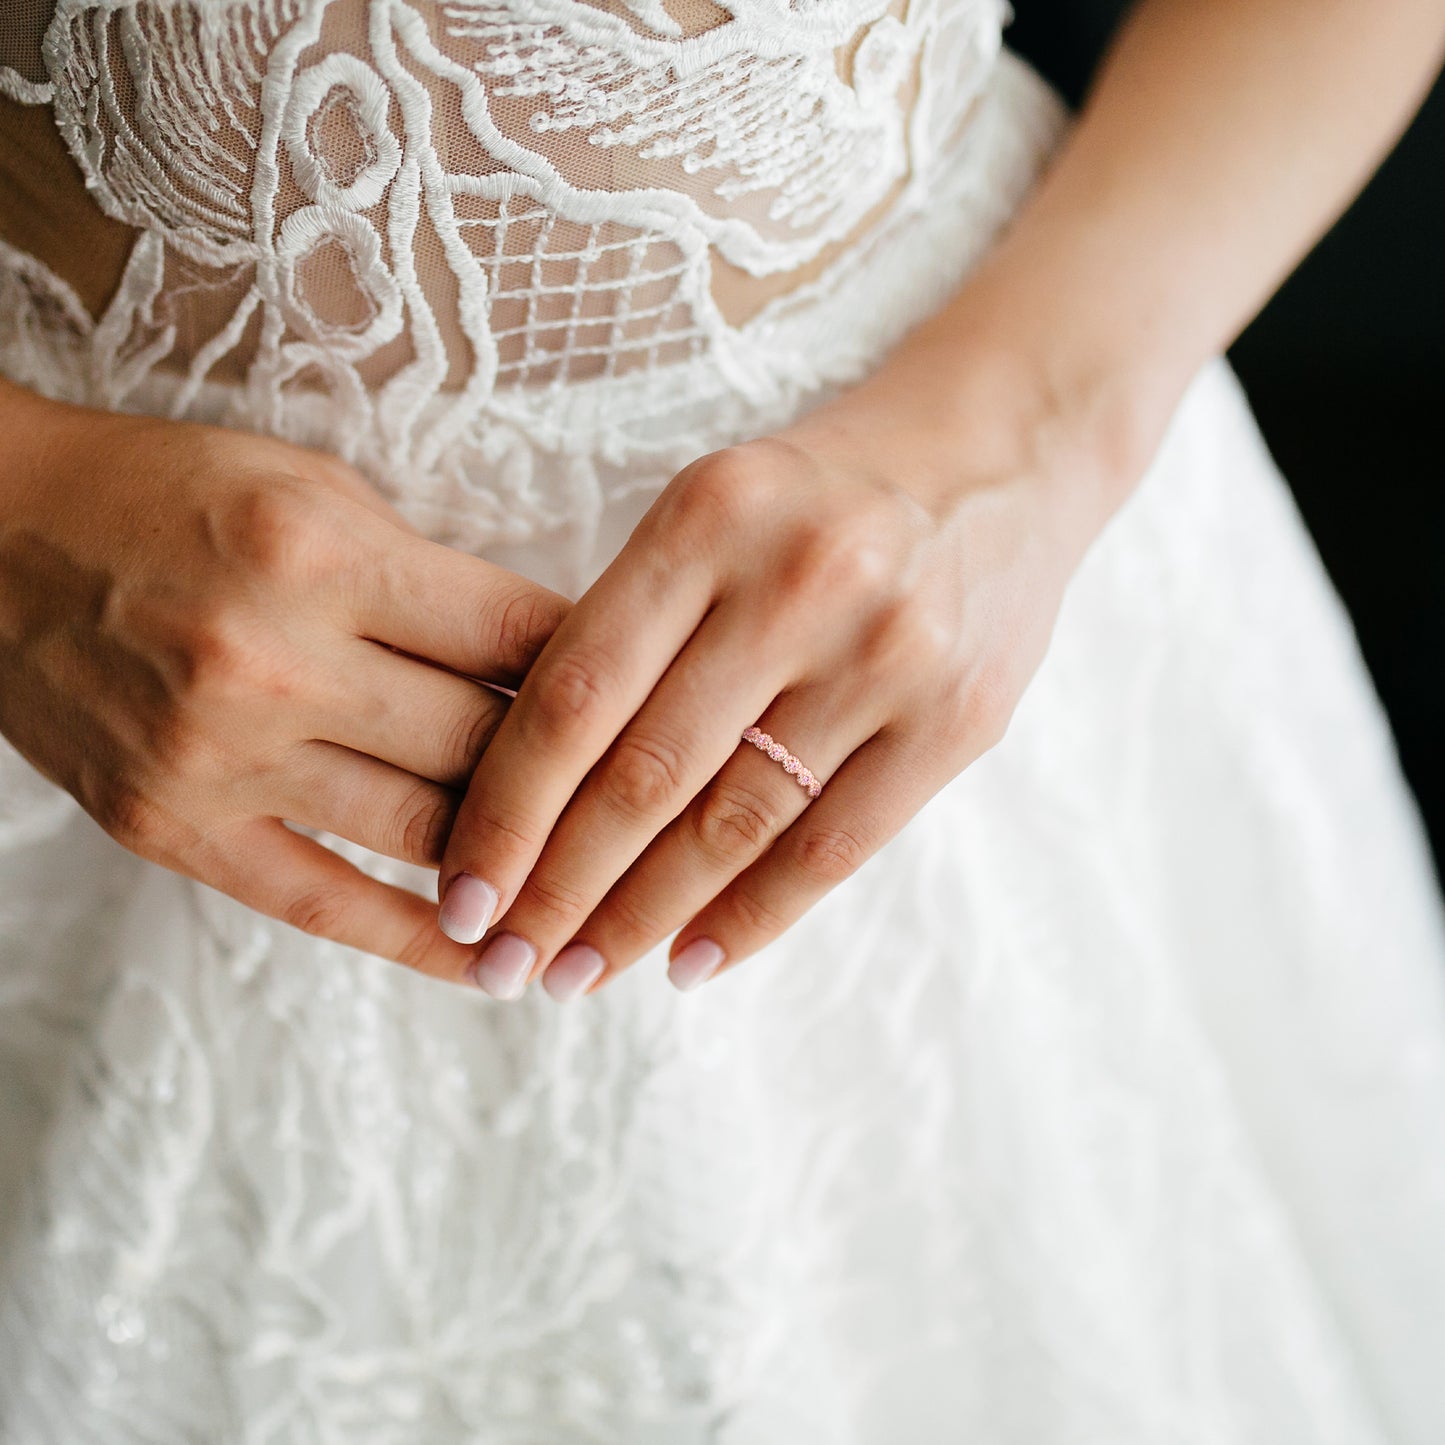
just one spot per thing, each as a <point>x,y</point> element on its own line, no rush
<point>445,237</point>
<point>1105,1104</point>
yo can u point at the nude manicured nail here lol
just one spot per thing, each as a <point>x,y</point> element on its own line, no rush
<point>504,965</point>
<point>573,971</point>
<point>695,964</point>
<point>467,908</point>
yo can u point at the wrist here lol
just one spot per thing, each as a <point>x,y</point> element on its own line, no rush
<point>975,395</point>
<point>1079,370</point>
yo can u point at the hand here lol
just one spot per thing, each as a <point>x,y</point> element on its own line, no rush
<point>204,632</point>
<point>873,586</point>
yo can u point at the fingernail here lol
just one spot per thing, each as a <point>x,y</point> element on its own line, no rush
<point>467,908</point>
<point>695,964</point>
<point>504,965</point>
<point>573,971</point>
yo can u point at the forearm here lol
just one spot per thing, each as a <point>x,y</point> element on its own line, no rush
<point>1222,137</point>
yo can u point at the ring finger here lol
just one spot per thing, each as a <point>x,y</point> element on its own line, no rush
<point>729,824</point>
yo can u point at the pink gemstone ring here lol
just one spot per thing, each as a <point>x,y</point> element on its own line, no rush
<point>779,754</point>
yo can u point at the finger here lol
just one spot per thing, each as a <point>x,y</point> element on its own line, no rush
<point>681,736</point>
<point>419,718</point>
<point>727,826</point>
<point>299,881</point>
<point>870,798</point>
<point>383,808</point>
<point>442,605</point>
<point>598,669</point>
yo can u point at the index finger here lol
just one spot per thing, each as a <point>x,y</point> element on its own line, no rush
<point>588,681</point>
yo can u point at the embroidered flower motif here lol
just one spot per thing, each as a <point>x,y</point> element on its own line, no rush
<point>341,87</point>
<point>308,238</point>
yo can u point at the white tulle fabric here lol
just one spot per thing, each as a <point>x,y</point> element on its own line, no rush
<point>1107,1103</point>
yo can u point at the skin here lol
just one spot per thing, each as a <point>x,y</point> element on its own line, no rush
<point>875,585</point>
<point>206,632</point>
<point>203,632</point>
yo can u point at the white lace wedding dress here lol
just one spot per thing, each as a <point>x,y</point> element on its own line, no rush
<point>1107,1104</point>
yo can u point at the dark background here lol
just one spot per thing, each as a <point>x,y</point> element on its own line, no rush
<point>1345,370</point>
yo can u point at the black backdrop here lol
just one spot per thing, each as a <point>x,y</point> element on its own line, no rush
<point>1345,370</point>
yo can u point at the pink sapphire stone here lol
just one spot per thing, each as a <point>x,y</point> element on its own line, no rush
<point>779,754</point>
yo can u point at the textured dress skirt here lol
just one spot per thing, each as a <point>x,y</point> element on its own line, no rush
<point>1105,1104</point>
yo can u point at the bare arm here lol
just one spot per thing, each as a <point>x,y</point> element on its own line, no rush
<point>1220,140</point>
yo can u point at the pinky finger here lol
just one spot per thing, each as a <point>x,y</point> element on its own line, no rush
<point>863,805</point>
<point>299,881</point>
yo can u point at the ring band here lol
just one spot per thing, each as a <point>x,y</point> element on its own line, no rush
<point>779,754</point>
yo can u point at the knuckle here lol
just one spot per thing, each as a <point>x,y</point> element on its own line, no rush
<point>724,490</point>
<point>572,694</point>
<point>989,707</point>
<point>527,619</point>
<point>759,920</point>
<point>126,814</point>
<point>423,824</point>
<point>970,708</point>
<point>645,776</point>
<point>179,747</point>
<point>554,900</point>
<point>320,910</point>
<point>829,855</point>
<point>993,728</point>
<point>470,735</point>
<point>504,837</point>
<point>733,823</point>
<point>276,530</point>
<point>419,949</point>
<point>628,924</point>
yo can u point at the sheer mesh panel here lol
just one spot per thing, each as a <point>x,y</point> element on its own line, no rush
<point>22,28</point>
<point>463,196</point>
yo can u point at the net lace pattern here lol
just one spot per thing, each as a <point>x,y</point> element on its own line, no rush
<point>513,252</point>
